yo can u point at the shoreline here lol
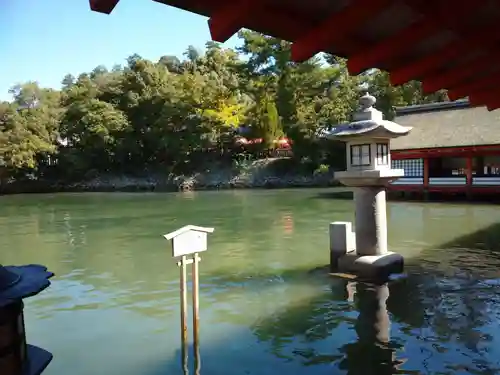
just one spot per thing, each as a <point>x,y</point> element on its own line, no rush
<point>300,182</point>
<point>269,173</point>
<point>157,190</point>
<point>169,184</point>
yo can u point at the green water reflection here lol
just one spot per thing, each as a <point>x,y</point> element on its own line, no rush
<point>113,307</point>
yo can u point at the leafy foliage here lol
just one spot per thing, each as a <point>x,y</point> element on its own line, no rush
<point>178,115</point>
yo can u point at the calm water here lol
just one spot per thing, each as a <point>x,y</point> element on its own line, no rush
<point>113,308</point>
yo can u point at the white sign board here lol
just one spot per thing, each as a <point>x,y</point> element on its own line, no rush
<point>188,240</point>
<point>189,243</point>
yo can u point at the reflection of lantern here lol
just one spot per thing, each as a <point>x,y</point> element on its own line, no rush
<point>16,283</point>
<point>373,329</point>
<point>288,223</point>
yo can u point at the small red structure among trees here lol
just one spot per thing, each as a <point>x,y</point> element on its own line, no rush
<point>444,45</point>
<point>283,143</point>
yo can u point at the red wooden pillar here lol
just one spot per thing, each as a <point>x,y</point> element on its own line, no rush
<point>468,175</point>
<point>426,178</point>
<point>426,172</point>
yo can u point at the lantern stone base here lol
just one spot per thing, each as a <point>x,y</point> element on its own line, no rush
<point>370,266</point>
<point>345,258</point>
<point>367,178</point>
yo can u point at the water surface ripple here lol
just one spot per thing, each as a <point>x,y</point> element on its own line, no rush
<point>113,307</point>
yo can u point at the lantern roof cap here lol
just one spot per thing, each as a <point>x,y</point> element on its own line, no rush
<point>18,282</point>
<point>368,121</point>
<point>187,228</point>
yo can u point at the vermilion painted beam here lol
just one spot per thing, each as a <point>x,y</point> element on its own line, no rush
<point>336,27</point>
<point>476,85</point>
<point>484,97</point>
<point>493,104</point>
<point>459,74</point>
<point>410,154</point>
<point>226,21</point>
<point>433,61</point>
<point>397,44</point>
<point>493,107</point>
<point>390,47</point>
<point>494,101</point>
<point>103,6</point>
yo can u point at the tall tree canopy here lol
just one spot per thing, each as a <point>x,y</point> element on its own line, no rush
<point>178,114</point>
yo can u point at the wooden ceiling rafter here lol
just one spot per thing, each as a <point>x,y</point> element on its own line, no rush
<point>484,82</point>
<point>227,20</point>
<point>391,47</point>
<point>335,27</point>
<point>343,32</point>
<point>493,102</point>
<point>485,96</point>
<point>435,60</point>
<point>397,44</point>
<point>459,74</point>
<point>492,107</point>
<point>103,6</point>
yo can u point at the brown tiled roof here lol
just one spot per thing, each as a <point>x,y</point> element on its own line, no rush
<point>447,124</point>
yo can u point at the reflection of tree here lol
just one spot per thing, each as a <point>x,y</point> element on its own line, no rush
<point>436,313</point>
<point>456,308</point>
<point>315,322</point>
<point>319,319</point>
<point>405,304</point>
<point>476,253</point>
<point>245,288</point>
<point>311,321</point>
<point>456,288</point>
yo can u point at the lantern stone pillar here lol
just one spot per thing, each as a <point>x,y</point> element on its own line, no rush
<point>16,356</point>
<point>371,220</point>
<point>368,172</point>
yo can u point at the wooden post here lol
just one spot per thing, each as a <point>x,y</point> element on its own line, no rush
<point>468,175</point>
<point>426,178</point>
<point>189,240</point>
<point>196,304</point>
<point>183,289</point>
<point>426,172</point>
<point>196,312</point>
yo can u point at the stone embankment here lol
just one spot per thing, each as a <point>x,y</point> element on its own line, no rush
<point>256,175</point>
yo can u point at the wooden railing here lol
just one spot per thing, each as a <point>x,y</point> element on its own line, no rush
<point>486,181</point>
<point>409,181</point>
<point>448,181</point>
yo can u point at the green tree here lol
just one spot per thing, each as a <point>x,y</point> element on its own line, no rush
<point>181,115</point>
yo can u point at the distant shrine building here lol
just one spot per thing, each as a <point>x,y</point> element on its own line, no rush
<point>453,148</point>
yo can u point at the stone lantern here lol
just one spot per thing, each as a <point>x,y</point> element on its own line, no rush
<point>367,138</point>
<point>16,356</point>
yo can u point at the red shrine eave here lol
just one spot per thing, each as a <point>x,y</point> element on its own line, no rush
<point>446,46</point>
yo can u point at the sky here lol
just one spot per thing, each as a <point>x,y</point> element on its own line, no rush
<point>43,40</point>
